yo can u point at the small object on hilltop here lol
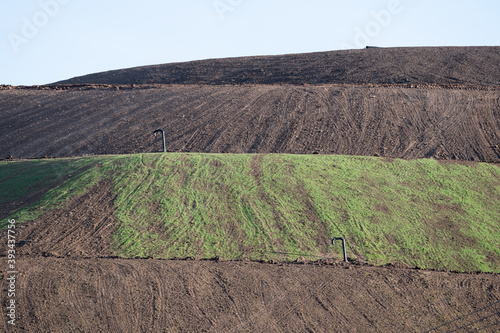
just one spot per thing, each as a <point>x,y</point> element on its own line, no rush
<point>343,245</point>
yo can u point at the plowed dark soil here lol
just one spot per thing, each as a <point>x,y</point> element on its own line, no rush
<point>465,65</point>
<point>114,295</point>
<point>398,122</point>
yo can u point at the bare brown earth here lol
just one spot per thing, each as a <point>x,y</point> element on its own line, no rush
<point>405,121</point>
<point>82,228</point>
<point>462,65</point>
<point>117,295</point>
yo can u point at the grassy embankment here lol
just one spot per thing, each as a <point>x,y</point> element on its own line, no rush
<point>420,212</point>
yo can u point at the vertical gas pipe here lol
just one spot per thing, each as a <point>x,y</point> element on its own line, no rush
<point>343,245</point>
<point>162,138</point>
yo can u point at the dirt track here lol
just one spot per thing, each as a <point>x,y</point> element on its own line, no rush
<point>446,122</point>
<point>116,295</point>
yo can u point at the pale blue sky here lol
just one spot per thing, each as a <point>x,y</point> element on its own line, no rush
<point>42,41</point>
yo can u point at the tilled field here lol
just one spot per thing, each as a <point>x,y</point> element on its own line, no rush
<point>444,122</point>
<point>451,65</point>
<point>117,295</point>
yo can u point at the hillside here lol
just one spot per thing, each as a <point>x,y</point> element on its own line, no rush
<point>396,122</point>
<point>257,207</point>
<point>455,65</point>
<point>75,216</point>
<point>268,159</point>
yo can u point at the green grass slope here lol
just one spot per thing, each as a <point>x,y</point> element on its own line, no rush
<point>280,207</point>
<point>23,184</point>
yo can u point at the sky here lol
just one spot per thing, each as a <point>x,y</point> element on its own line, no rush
<point>44,41</point>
